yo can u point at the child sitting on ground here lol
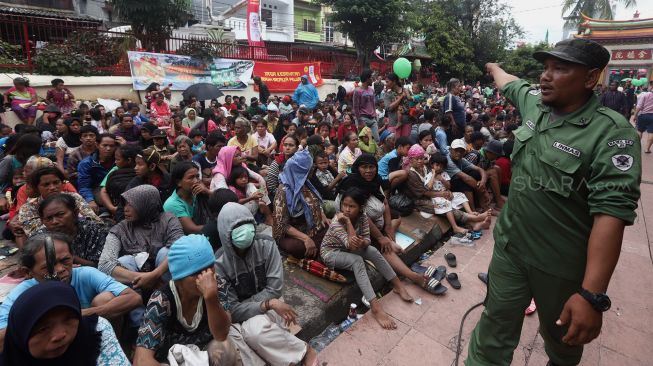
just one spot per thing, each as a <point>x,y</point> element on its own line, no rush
<point>437,180</point>
<point>198,141</point>
<point>346,245</point>
<point>248,195</point>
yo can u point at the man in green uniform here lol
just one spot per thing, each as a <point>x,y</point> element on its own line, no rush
<point>576,170</point>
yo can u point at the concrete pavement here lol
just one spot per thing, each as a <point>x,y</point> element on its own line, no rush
<point>427,333</point>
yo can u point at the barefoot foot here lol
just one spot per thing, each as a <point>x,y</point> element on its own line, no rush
<point>384,320</point>
<point>484,225</point>
<point>459,230</point>
<point>401,291</point>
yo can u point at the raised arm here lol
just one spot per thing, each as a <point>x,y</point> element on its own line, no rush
<point>500,77</point>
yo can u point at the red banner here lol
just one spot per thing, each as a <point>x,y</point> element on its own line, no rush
<point>632,54</point>
<point>285,76</point>
<point>254,37</point>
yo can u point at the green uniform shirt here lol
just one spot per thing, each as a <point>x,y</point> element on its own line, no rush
<point>563,173</point>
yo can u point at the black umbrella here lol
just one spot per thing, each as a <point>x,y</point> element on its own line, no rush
<point>202,91</point>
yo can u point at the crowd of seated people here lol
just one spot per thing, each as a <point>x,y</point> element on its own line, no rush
<point>168,223</point>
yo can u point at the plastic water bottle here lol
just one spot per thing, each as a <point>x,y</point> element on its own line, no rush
<point>346,324</point>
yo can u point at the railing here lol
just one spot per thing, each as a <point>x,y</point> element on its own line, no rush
<point>23,40</point>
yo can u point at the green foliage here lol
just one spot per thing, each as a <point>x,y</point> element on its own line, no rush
<point>61,59</point>
<point>153,17</point>
<point>202,51</point>
<point>520,62</point>
<point>601,9</point>
<point>10,54</point>
<point>369,23</point>
<point>464,35</point>
<point>102,50</point>
<point>207,51</point>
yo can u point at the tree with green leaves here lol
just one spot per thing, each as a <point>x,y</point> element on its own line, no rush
<point>520,62</point>
<point>153,20</point>
<point>368,23</point>
<point>601,9</point>
<point>464,35</point>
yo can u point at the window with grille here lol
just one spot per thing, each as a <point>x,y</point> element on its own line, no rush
<point>309,25</point>
<point>328,32</point>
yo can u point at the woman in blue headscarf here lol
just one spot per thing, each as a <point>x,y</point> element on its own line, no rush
<point>299,222</point>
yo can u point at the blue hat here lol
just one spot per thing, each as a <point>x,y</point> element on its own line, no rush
<point>189,255</point>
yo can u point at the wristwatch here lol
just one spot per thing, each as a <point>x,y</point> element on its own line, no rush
<point>600,302</point>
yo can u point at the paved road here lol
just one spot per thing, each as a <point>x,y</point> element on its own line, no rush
<point>427,333</point>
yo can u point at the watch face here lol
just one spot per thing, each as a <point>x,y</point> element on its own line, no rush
<point>603,303</point>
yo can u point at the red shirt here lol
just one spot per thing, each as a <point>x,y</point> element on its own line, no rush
<point>342,131</point>
<point>506,170</point>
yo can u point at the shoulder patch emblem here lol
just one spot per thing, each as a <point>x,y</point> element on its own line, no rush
<point>622,162</point>
<point>534,92</point>
<point>530,124</point>
<point>621,144</point>
<point>568,149</point>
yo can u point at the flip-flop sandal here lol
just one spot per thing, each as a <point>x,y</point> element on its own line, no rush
<point>451,259</point>
<point>531,308</point>
<point>475,235</point>
<point>434,287</point>
<point>431,271</point>
<point>452,278</point>
<point>477,232</point>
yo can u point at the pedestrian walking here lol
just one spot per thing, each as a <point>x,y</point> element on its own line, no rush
<point>644,116</point>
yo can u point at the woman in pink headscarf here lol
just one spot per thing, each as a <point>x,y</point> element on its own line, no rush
<point>229,157</point>
<point>430,201</point>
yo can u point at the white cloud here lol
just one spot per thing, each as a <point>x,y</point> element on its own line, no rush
<point>538,16</point>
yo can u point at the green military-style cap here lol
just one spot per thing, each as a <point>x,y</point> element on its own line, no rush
<point>579,51</point>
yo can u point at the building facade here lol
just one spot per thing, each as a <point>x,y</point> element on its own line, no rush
<point>630,43</point>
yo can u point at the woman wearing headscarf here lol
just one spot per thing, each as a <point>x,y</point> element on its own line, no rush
<point>366,142</point>
<point>426,199</point>
<point>364,175</point>
<point>229,157</point>
<point>191,119</point>
<point>54,332</point>
<point>289,147</point>
<point>136,249</point>
<point>299,221</point>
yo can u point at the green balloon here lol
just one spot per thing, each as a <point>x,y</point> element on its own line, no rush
<point>488,91</point>
<point>637,82</point>
<point>402,68</point>
<point>643,80</point>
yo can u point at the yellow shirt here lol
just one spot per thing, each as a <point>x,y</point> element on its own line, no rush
<point>247,147</point>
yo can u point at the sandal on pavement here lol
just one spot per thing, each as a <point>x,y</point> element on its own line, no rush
<point>434,286</point>
<point>451,259</point>
<point>531,308</point>
<point>453,280</point>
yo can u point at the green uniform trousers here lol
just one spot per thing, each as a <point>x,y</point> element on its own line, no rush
<point>512,284</point>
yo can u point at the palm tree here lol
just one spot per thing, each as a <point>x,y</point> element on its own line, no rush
<point>600,9</point>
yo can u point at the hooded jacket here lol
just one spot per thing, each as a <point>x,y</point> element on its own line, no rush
<point>256,277</point>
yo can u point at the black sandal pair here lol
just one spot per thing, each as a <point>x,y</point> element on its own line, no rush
<point>452,277</point>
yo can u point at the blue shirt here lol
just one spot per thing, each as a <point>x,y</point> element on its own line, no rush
<point>88,282</point>
<point>454,105</point>
<point>384,164</point>
<point>440,138</point>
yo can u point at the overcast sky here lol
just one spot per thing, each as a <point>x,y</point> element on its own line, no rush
<point>536,16</point>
